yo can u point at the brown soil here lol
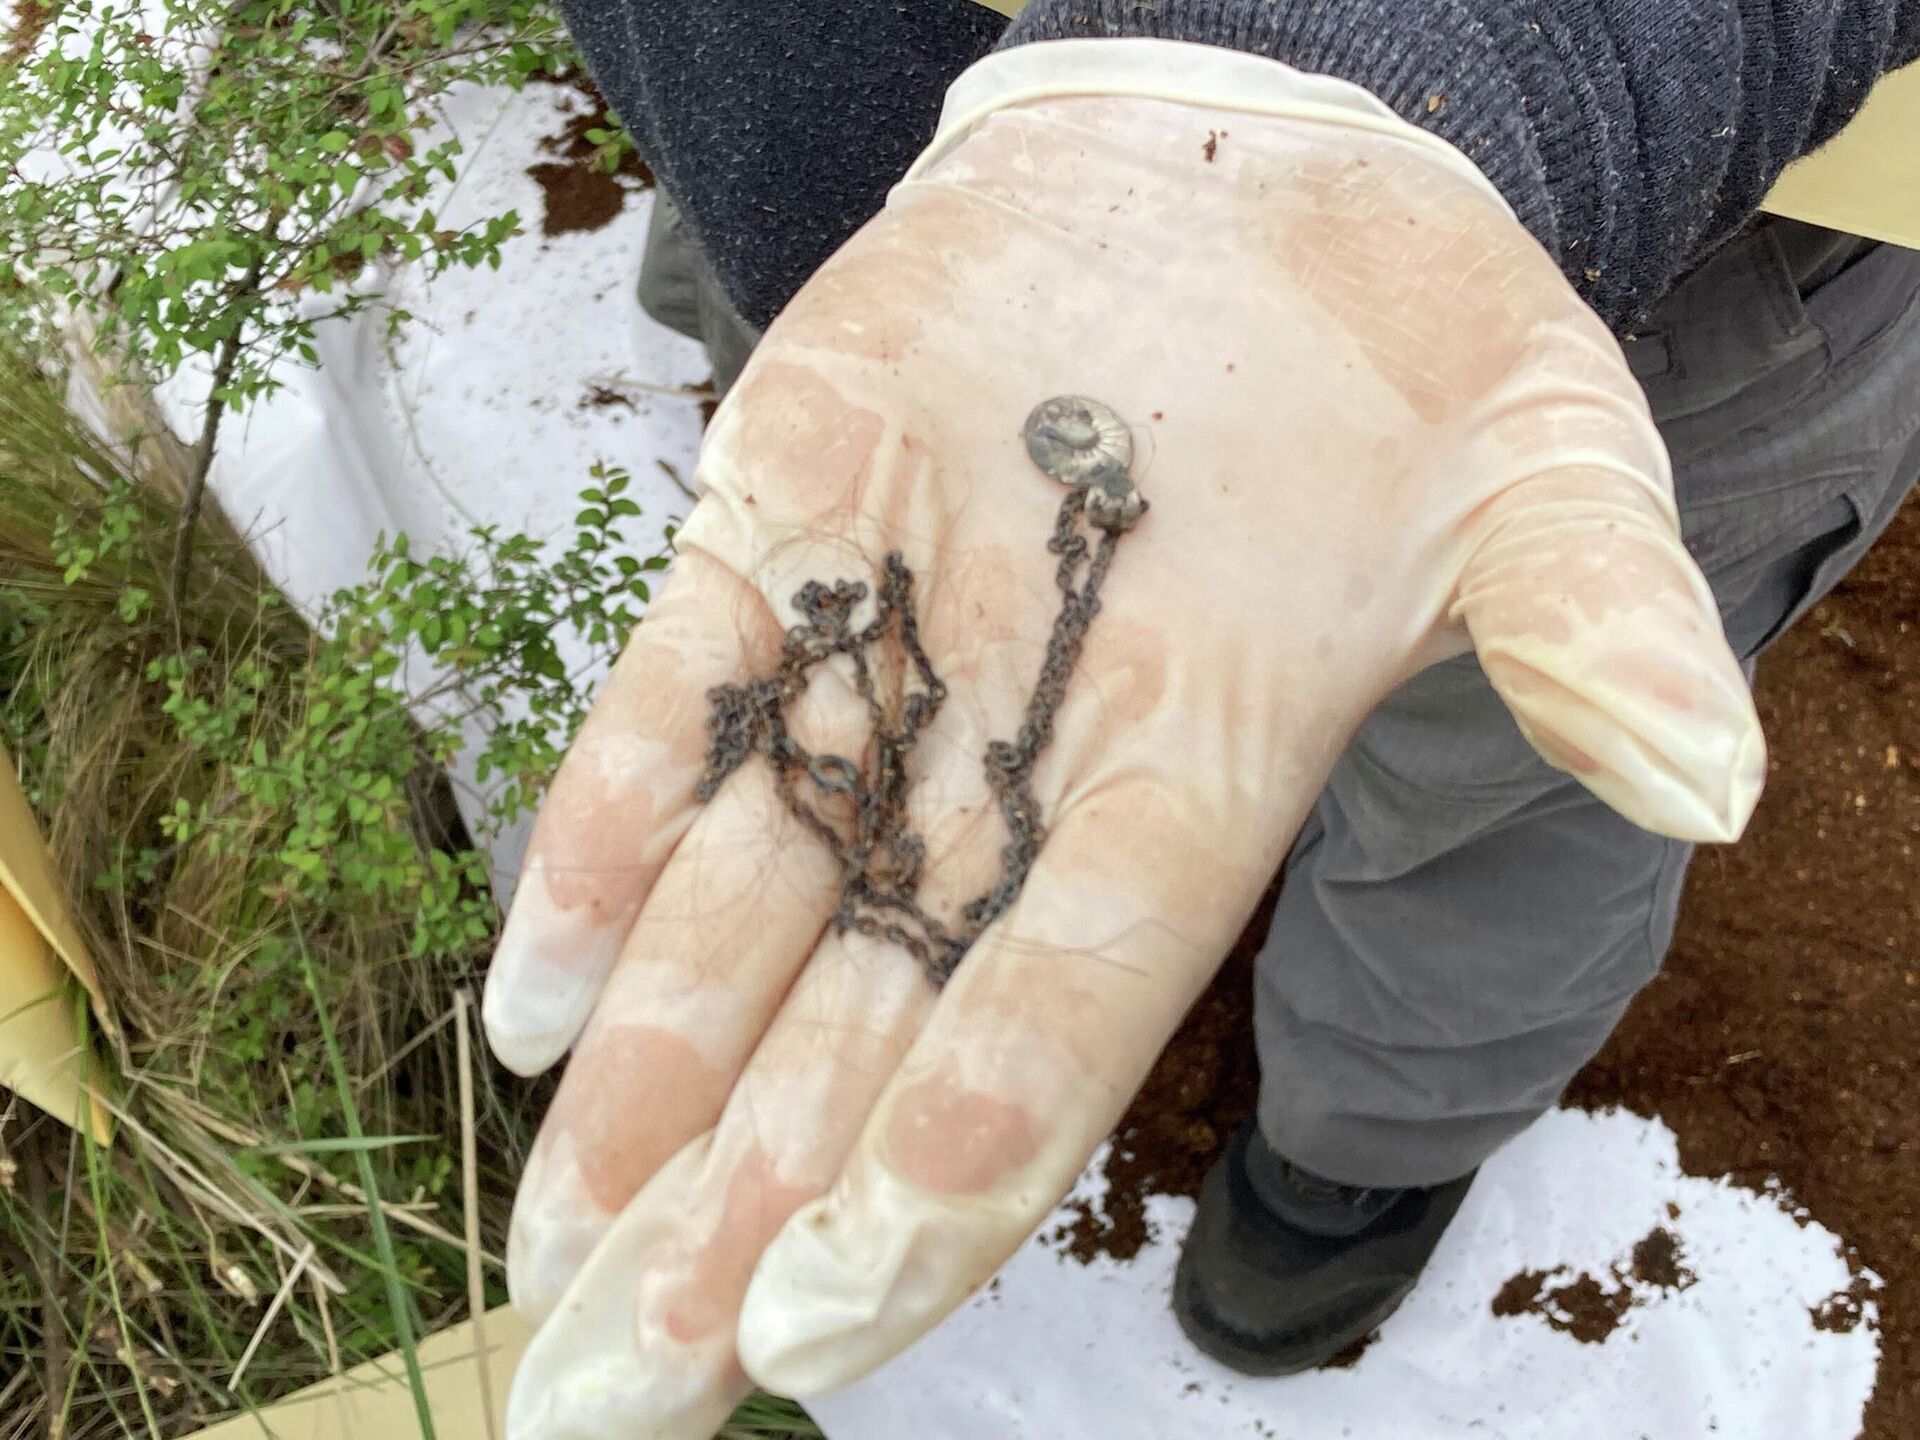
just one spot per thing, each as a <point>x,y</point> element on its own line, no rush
<point>1583,1307</point>
<point>1656,1261</point>
<point>1589,1308</point>
<point>1350,1357</point>
<point>709,398</point>
<point>580,193</point>
<point>1782,1043</point>
<point>1204,1086</point>
<point>1842,1312</point>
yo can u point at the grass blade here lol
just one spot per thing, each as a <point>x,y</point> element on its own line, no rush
<point>338,1145</point>
<point>470,1192</point>
<point>96,1186</point>
<point>397,1298</point>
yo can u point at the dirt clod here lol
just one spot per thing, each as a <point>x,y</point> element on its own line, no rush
<point>1841,1312</point>
<point>1350,1357</point>
<point>1656,1261</point>
<point>708,395</point>
<point>1581,1307</point>
<point>579,191</point>
<point>1521,1293</point>
<point>1589,1308</point>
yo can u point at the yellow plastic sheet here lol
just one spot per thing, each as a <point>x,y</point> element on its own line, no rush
<point>1867,180</point>
<point>373,1402</point>
<point>43,1046</point>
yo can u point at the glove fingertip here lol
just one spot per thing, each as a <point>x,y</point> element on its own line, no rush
<point>527,1049</point>
<point>1690,767</point>
<point>546,974</point>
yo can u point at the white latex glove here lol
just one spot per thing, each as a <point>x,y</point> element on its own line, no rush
<point>1376,427</point>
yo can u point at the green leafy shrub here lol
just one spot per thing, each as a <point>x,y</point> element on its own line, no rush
<point>284,906</point>
<point>250,808</point>
<point>221,178</point>
<point>218,184</point>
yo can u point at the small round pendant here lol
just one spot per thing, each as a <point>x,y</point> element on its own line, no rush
<point>1083,443</point>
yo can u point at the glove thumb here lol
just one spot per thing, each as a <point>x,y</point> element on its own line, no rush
<point>1600,633</point>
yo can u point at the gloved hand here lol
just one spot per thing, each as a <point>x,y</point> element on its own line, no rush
<point>1375,426</point>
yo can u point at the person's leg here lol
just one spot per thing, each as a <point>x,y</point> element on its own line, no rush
<point>679,289</point>
<point>1460,928</point>
<point>1461,925</point>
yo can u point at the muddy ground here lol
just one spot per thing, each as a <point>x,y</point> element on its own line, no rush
<point>1782,1043</point>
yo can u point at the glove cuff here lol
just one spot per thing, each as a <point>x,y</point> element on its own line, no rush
<point>1204,76</point>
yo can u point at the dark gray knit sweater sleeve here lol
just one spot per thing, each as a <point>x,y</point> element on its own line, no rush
<point>1630,136</point>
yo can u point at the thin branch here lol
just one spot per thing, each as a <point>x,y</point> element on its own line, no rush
<point>195,498</point>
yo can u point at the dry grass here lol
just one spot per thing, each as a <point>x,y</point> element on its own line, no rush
<point>313,1165</point>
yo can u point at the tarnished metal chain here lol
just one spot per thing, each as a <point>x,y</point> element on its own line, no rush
<point>859,808</point>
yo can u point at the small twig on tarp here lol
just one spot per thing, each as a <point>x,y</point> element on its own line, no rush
<point>674,475</point>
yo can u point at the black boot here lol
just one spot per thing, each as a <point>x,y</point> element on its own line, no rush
<point>1283,1270</point>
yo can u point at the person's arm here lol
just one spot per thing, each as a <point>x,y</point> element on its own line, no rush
<point>1629,137</point>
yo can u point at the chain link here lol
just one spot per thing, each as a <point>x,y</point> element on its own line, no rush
<point>858,808</point>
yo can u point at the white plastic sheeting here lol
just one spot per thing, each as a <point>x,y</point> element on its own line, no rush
<point>1060,1350</point>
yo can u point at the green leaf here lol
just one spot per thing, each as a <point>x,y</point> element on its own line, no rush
<point>334,141</point>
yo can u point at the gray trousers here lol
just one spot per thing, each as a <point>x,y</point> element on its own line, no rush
<point>1462,925</point>
<point>679,289</point>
